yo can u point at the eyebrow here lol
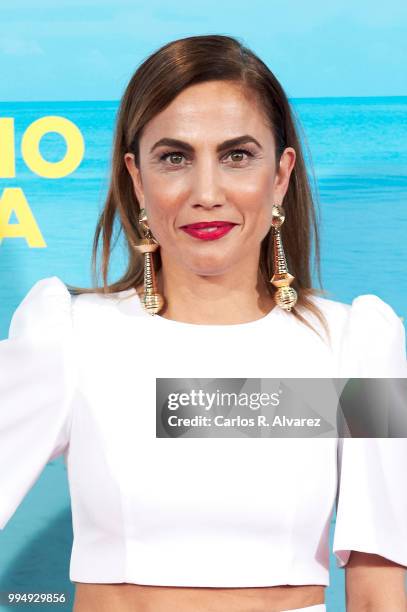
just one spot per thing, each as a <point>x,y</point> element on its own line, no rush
<point>232,142</point>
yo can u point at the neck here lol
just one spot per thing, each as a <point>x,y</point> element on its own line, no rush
<point>220,300</point>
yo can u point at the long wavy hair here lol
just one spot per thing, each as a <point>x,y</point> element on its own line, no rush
<point>154,85</point>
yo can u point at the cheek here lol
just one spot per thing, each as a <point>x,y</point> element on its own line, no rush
<point>162,195</point>
<point>254,197</point>
<point>162,208</point>
<point>258,184</point>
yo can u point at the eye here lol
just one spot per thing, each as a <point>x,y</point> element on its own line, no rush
<point>172,154</point>
<point>240,152</point>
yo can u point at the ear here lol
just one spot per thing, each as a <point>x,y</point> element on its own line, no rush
<point>135,174</point>
<point>283,172</point>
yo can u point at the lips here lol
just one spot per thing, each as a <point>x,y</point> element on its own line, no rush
<point>209,230</point>
<point>203,224</point>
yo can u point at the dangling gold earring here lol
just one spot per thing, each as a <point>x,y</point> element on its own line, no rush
<point>286,296</point>
<point>151,299</point>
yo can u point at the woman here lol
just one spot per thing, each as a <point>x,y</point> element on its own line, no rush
<point>205,135</point>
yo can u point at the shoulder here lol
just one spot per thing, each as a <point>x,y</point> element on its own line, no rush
<point>97,301</point>
<point>49,313</point>
<point>378,336</point>
<point>373,321</point>
<point>366,312</point>
<point>46,306</point>
<point>370,335</point>
<point>97,313</point>
<point>335,314</point>
<point>376,310</point>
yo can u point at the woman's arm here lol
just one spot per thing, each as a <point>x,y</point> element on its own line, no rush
<point>38,374</point>
<point>374,584</point>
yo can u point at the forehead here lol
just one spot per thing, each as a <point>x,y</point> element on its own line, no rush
<point>219,108</point>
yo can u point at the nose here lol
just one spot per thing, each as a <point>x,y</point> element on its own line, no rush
<point>207,189</point>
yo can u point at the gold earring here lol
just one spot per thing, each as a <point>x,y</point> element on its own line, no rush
<point>285,297</point>
<point>151,299</point>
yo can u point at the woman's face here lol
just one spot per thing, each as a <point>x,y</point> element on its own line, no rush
<point>203,177</point>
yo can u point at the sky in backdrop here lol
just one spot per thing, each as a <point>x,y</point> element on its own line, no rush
<point>88,49</point>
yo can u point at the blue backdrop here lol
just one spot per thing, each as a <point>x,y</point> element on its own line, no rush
<point>55,160</point>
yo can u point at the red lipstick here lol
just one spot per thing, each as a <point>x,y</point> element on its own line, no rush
<point>216,229</point>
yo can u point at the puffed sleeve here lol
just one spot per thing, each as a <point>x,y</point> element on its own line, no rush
<point>371,502</point>
<point>37,382</point>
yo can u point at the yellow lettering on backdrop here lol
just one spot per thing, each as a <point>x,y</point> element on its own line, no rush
<point>14,200</point>
<point>7,157</point>
<point>75,147</point>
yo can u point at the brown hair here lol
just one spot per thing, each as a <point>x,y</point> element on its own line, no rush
<point>154,85</point>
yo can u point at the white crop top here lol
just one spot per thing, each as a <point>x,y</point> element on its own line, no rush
<point>77,377</point>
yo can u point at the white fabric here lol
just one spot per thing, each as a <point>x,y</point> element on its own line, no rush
<point>77,377</point>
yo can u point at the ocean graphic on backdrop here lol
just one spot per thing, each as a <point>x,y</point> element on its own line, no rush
<point>358,150</point>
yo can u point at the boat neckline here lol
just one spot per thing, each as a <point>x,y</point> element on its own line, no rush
<point>275,311</point>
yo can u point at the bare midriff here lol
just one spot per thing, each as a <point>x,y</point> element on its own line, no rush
<point>145,598</point>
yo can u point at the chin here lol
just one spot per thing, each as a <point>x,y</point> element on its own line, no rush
<point>208,264</point>
<point>209,270</point>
